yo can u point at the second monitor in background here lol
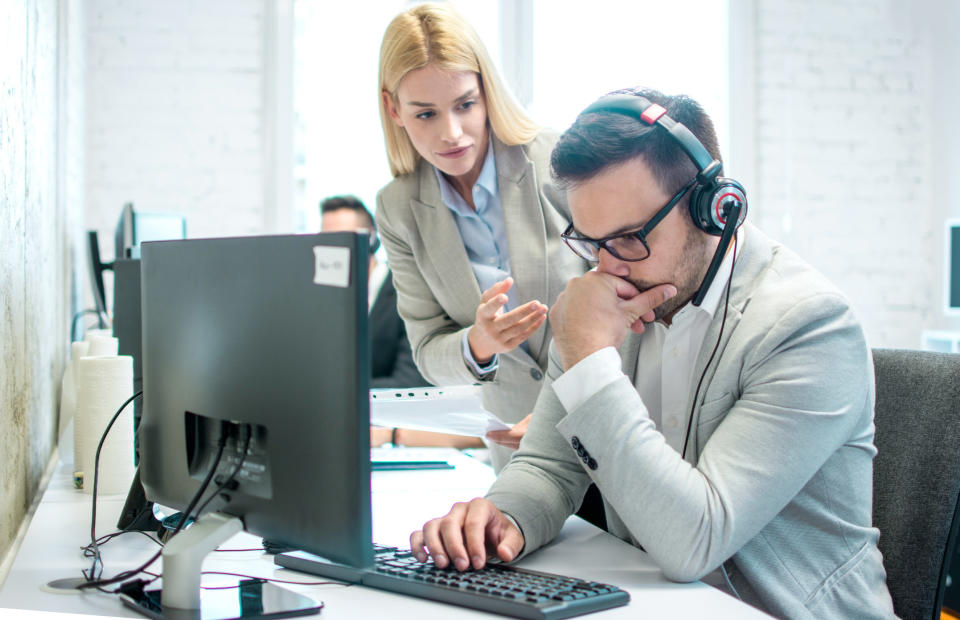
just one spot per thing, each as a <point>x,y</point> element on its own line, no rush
<point>135,227</point>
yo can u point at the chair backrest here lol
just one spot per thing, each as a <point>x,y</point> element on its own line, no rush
<point>916,474</point>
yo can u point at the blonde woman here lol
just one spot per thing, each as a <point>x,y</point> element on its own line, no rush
<point>470,222</point>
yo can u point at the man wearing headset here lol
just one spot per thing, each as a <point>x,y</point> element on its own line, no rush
<point>716,388</point>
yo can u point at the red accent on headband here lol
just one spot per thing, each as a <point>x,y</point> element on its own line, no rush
<point>653,113</point>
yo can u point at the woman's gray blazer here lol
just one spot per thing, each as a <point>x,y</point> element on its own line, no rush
<point>437,292</point>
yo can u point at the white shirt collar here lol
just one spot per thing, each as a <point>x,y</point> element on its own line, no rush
<point>711,300</point>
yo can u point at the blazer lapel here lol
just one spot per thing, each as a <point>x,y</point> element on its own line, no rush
<point>445,247</point>
<point>523,220</point>
<point>751,260</point>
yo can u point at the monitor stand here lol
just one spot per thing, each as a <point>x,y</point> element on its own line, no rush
<point>182,598</point>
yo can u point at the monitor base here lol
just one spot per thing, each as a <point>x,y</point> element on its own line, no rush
<point>249,600</point>
<point>182,598</point>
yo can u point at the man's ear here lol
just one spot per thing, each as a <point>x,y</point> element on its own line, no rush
<point>391,108</point>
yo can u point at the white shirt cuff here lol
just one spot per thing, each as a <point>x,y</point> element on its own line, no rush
<point>478,370</point>
<point>587,377</point>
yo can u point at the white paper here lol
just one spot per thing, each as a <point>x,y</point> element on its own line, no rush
<point>331,266</point>
<point>457,409</point>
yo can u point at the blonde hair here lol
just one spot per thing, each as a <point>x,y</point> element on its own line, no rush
<point>434,33</point>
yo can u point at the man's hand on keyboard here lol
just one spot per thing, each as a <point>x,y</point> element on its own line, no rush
<point>468,534</point>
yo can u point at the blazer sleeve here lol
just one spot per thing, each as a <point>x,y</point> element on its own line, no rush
<point>793,411</point>
<point>435,338</point>
<point>544,483</point>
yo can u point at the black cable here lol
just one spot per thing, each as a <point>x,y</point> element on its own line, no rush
<point>89,549</point>
<point>73,321</point>
<point>96,583</point>
<point>726,306</point>
<point>236,470</point>
<point>96,568</point>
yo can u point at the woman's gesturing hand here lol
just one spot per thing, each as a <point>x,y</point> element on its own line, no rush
<point>495,331</point>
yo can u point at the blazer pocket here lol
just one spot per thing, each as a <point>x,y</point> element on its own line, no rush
<point>715,408</point>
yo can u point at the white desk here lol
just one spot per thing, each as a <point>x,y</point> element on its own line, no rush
<point>402,501</point>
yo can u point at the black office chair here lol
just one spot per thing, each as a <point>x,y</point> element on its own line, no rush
<point>916,474</point>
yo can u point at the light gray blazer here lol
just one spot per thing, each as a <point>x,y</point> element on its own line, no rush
<point>779,472</point>
<point>437,292</point>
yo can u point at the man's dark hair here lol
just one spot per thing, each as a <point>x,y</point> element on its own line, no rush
<point>336,203</point>
<point>599,140</point>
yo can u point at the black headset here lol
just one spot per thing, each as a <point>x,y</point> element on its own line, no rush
<point>374,235</point>
<point>718,205</point>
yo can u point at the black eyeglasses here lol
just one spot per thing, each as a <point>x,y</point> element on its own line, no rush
<point>631,246</point>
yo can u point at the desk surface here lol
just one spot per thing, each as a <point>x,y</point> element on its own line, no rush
<point>402,501</point>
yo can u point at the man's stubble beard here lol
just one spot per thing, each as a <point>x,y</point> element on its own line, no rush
<point>689,273</point>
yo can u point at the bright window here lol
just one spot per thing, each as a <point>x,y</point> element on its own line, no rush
<point>583,50</point>
<point>338,139</point>
<point>578,51</point>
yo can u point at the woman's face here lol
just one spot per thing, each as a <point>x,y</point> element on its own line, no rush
<point>445,116</point>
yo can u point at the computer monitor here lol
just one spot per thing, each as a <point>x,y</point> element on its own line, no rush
<point>266,338</point>
<point>951,271</point>
<point>136,227</point>
<point>96,267</point>
<point>133,228</point>
<point>126,327</point>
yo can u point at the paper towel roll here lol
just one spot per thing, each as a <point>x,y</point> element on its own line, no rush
<point>101,344</point>
<point>103,384</point>
<point>68,390</point>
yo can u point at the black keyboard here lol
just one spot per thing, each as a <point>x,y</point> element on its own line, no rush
<point>496,588</point>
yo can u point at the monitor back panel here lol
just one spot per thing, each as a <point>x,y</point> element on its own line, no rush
<point>239,329</point>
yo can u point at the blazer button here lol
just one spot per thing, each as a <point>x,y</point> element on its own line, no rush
<point>575,442</point>
<point>581,452</point>
<point>536,374</point>
<point>592,463</point>
<point>586,459</point>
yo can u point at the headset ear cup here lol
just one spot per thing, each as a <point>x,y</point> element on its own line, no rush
<point>709,203</point>
<point>701,209</point>
<point>727,193</point>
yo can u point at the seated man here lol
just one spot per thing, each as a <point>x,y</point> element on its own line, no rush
<point>726,415</point>
<point>391,360</point>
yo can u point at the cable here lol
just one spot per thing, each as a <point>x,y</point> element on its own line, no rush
<point>246,430</point>
<point>723,569</point>
<point>726,306</point>
<point>73,321</point>
<point>95,582</point>
<point>89,549</point>
<point>96,568</point>
<point>723,321</point>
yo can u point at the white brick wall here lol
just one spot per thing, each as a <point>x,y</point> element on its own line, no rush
<point>175,113</point>
<point>842,154</point>
<point>844,149</point>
